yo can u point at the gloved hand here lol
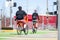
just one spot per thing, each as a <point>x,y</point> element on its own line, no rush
<point>15,19</point>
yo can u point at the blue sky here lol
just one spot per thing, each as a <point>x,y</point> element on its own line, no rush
<point>40,5</point>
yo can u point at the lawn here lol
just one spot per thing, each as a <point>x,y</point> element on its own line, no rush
<point>14,33</point>
<point>9,34</point>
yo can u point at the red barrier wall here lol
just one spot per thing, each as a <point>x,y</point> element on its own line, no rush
<point>51,19</point>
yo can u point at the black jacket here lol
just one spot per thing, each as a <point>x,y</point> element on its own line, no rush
<point>35,16</point>
<point>20,15</point>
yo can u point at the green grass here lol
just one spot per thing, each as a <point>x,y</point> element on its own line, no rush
<point>12,34</point>
<point>38,32</point>
<point>3,39</point>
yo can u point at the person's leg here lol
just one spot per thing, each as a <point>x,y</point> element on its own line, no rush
<point>33,27</point>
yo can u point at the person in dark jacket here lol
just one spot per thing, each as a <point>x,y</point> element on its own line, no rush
<point>35,15</point>
<point>20,14</point>
<point>35,18</point>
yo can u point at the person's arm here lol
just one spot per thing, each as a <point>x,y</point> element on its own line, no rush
<point>32,15</point>
<point>16,13</point>
<point>37,15</point>
<point>25,13</point>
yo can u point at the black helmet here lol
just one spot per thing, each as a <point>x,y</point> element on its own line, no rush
<point>20,8</point>
<point>35,11</point>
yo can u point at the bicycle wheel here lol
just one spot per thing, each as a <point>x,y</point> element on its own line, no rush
<point>19,30</point>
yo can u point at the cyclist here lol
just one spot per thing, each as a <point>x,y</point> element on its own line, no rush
<point>35,18</point>
<point>20,14</point>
